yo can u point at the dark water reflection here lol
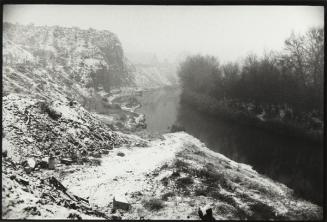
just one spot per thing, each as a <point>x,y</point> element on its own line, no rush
<point>296,163</point>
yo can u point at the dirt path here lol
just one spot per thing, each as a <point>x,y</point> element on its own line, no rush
<point>118,175</point>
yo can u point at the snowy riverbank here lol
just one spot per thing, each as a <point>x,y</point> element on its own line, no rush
<point>168,177</point>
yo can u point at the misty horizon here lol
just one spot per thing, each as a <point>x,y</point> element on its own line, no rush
<point>172,32</point>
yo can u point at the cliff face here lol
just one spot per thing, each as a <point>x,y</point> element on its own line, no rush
<point>54,61</point>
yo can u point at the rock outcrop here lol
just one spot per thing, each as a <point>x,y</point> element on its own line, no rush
<point>51,61</point>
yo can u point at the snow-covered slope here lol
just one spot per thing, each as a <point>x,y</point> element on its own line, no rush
<point>180,175</point>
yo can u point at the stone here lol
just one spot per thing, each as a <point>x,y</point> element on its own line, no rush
<point>43,164</point>
<point>22,181</point>
<point>28,170</point>
<point>31,163</point>
<point>57,184</point>
<point>51,163</point>
<point>120,154</point>
<point>29,139</point>
<point>5,145</point>
<point>66,161</point>
<point>120,202</point>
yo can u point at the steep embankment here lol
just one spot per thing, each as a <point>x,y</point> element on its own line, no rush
<point>163,178</point>
<point>36,130</point>
<point>180,175</point>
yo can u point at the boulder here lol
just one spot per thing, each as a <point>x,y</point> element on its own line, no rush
<point>120,202</point>
<point>31,163</point>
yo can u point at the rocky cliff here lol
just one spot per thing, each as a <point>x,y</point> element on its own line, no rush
<point>54,61</point>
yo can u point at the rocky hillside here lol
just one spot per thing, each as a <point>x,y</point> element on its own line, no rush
<point>53,61</point>
<point>36,132</point>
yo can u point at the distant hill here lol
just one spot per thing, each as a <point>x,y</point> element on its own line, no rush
<point>149,72</point>
<point>154,75</point>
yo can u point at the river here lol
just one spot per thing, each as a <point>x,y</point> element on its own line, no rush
<point>297,164</point>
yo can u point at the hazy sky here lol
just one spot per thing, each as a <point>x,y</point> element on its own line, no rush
<point>228,32</point>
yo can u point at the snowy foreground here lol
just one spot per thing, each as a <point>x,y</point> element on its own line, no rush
<point>174,170</point>
<point>165,178</point>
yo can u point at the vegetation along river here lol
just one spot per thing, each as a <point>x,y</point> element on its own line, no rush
<point>298,164</point>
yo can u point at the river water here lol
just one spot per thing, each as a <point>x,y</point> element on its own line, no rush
<point>298,164</point>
